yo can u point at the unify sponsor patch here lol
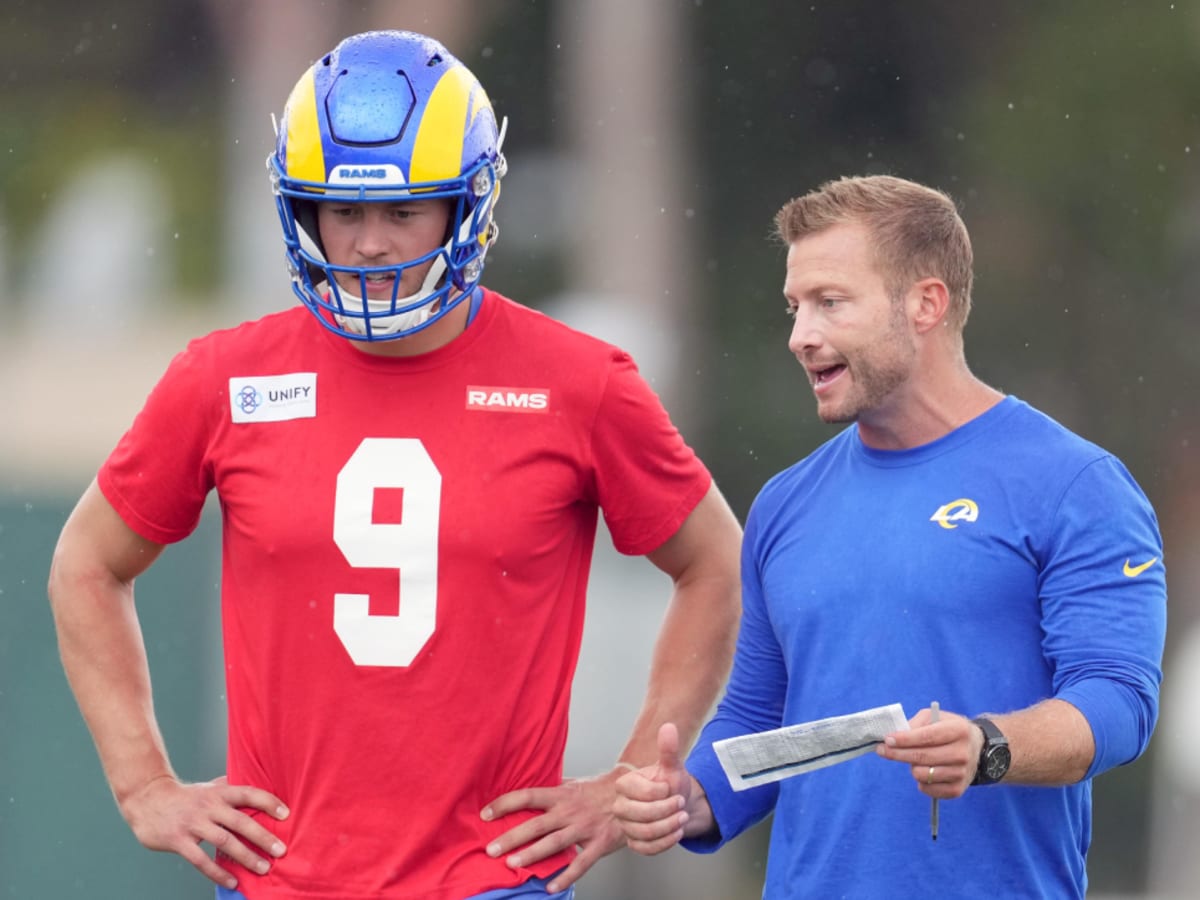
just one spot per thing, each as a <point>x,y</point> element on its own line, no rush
<point>273,398</point>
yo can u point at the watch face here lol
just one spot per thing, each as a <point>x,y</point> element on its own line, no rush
<point>997,761</point>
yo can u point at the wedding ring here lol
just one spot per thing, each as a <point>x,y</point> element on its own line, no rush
<point>929,779</point>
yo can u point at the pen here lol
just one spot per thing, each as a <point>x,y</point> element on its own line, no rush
<point>933,808</point>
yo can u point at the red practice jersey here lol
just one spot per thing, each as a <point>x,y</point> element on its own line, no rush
<point>406,545</point>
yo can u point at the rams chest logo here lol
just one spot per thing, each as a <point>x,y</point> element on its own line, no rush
<point>951,514</point>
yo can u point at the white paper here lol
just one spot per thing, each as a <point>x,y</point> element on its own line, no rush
<point>754,759</point>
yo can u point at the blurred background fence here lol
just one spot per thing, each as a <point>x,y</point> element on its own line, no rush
<point>650,145</point>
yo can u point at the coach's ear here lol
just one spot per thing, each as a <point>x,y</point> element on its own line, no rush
<point>928,300</point>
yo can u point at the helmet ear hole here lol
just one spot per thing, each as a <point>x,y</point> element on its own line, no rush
<point>306,217</point>
<point>305,212</point>
<point>452,219</point>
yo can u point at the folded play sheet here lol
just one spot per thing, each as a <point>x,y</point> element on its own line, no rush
<point>767,756</point>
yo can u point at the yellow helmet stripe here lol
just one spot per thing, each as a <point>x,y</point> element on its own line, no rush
<point>305,157</point>
<point>437,151</point>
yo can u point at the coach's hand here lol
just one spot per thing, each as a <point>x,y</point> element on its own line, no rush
<point>166,814</point>
<point>941,754</point>
<point>577,813</point>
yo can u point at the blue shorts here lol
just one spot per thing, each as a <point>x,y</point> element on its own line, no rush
<point>534,888</point>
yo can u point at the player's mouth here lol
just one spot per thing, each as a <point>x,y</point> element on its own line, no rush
<point>379,285</point>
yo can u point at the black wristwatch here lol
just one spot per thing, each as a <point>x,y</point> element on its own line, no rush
<point>994,757</point>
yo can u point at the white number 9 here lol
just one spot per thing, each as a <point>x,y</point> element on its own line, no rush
<point>410,547</point>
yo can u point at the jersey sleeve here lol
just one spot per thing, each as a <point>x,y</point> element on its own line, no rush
<point>1103,593</point>
<point>753,701</point>
<point>647,479</point>
<point>158,475</point>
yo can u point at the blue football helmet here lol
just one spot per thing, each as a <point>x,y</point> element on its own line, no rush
<point>387,116</point>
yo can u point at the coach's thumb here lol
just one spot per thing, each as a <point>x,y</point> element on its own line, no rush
<point>668,751</point>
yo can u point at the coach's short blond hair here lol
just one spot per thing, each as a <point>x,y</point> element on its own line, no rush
<point>916,231</point>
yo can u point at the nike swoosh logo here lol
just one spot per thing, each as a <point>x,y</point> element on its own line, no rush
<point>1135,571</point>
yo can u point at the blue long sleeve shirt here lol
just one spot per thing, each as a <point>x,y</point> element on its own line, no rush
<point>1008,562</point>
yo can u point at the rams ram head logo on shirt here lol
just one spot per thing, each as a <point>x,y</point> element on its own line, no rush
<point>962,510</point>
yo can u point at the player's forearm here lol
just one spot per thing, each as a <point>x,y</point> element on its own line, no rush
<point>1051,744</point>
<point>104,657</point>
<point>690,664</point>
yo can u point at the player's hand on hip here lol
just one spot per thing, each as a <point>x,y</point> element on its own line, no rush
<point>167,814</point>
<point>652,803</point>
<point>577,813</point>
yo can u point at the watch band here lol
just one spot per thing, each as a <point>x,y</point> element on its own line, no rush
<point>994,755</point>
<point>990,730</point>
